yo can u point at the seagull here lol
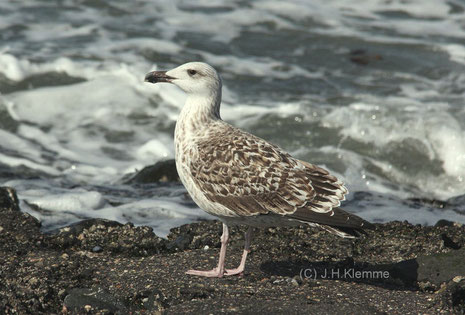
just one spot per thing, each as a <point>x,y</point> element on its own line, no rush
<point>243,179</point>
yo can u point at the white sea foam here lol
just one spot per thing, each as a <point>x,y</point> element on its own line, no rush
<point>259,67</point>
<point>19,68</point>
<point>74,201</point>
<point>72,205</point>
<point>456,52</point>
<point>393,209</point>
<point>438,134</point>
<point>162,214</point>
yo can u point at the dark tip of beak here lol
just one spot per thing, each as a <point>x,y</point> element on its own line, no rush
<point>158,76</point>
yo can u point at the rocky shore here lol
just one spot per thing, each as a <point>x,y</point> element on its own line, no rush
<point>104,267</point>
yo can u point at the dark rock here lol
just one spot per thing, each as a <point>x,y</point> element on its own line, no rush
<point>71,235</point>
<point>449,243</point>
<point>457,202</point>
<point>79,227</point>
<point>362,57</point>
<point>443,222</point>
<point>138,272</point>
<point>163,171</point>
<point>19,231</point>
<point>8,199</point>
<point>195,236</point>
<point>113,236</point>
<point>196,291</point>
<point>151,301</point>
<point>84,300</point>
<point>451,296</point>
<point>181,242</point>
<point>429,202</point>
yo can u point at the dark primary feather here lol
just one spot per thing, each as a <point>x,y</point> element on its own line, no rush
<point>336,217</point>
<point>334,221</point>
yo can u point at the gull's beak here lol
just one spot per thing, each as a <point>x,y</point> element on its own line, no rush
<point>158,76</point>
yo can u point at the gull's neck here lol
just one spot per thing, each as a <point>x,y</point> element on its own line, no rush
<point>198,111</point>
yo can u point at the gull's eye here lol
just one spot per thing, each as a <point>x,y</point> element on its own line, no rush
<point>191,72</point>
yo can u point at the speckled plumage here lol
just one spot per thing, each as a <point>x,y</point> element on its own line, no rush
<point>241,178</point>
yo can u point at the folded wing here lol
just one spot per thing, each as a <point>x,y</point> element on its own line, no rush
<point>250,177</point>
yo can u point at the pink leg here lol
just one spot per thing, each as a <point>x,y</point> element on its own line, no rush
<point>240,269</point>
<point>217,272</point>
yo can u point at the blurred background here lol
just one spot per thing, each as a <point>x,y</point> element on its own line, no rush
<point>374,92</point>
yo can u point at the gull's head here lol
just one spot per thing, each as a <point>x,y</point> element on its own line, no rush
<point>191,77</point>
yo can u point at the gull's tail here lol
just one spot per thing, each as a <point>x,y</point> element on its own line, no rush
<point>337,221</point>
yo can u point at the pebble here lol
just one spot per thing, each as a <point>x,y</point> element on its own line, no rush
<point>33,281</point>
<point>457,279</point>
<point>294,282</point>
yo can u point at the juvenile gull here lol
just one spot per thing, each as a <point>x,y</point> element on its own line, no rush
<point>243,179</point>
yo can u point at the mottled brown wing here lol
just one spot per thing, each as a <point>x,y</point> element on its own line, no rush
<point>249,176</point>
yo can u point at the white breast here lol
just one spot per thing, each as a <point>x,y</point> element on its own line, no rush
<point>185,140</point>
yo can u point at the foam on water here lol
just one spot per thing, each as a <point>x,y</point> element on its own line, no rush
<point>395,127</point>
<point>434,135</point>
<point>76,200</point>
<point>74,204</point>
<point>390,208</point>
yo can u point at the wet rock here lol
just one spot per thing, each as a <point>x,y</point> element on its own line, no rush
<point>451,296</point>
<point>449,243</point>
<point>95,300</point>
<point>457,202</point>
<point>8,199</point>
<point>100,266</point>
<point>19,231</point>
<point>443,222</point>
<point>151,301</point>
<point>99,235</point>
<point>362,57</point>
<point>195,236</point>
<point>182,242</point>
<point>163,171</point>
<point>429,202</point>
<point>196,291</point>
